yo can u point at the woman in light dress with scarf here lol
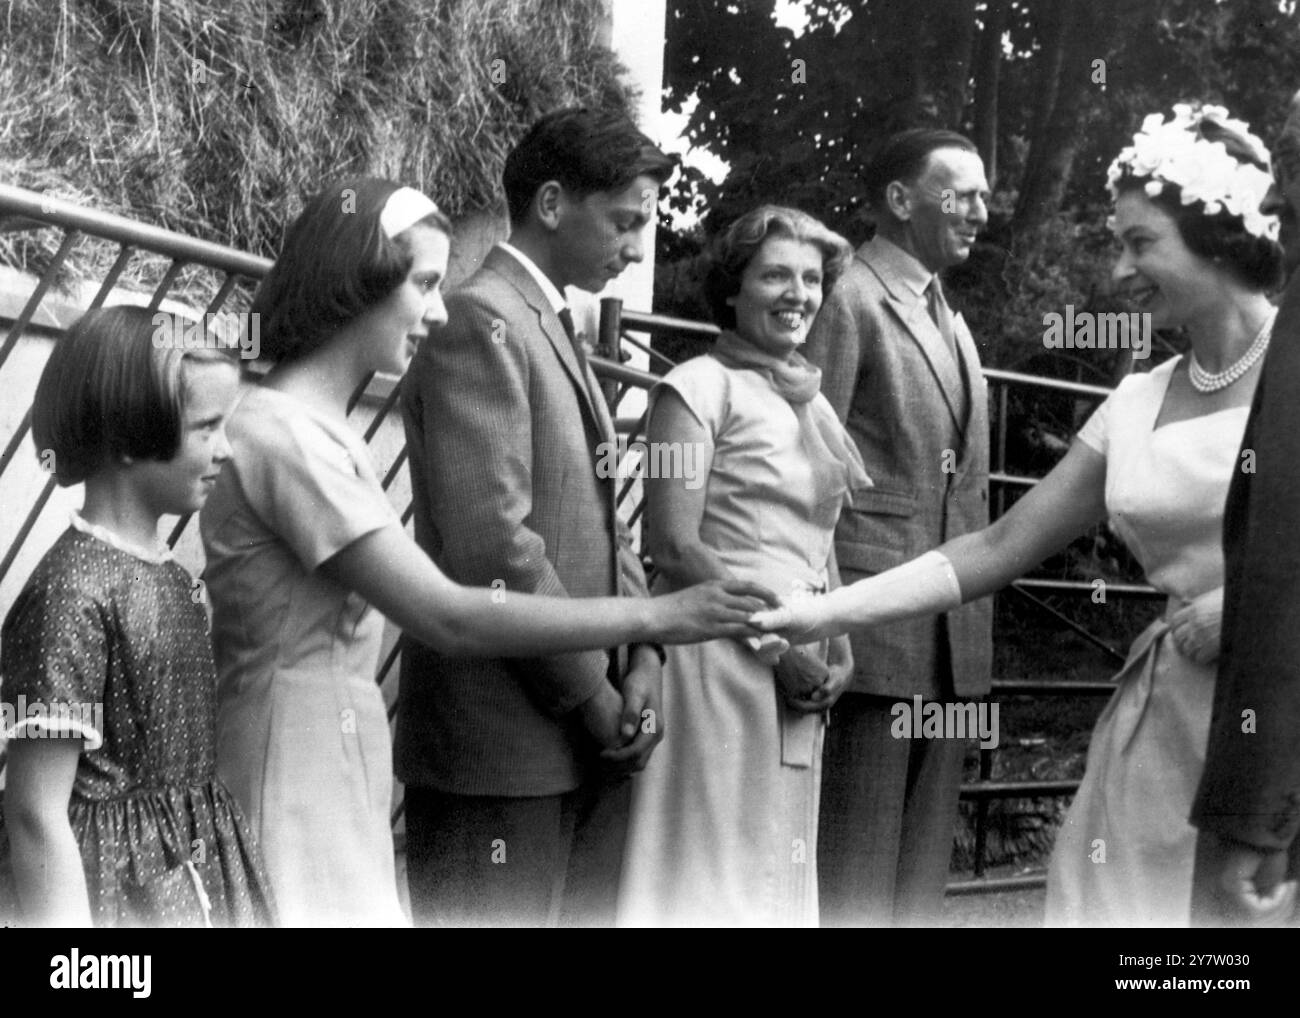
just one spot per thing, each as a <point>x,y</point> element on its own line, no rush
<point>1156,458</point>
<point>724,818</point>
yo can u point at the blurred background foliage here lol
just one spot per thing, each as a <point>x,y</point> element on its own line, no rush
<point>1050,91</point>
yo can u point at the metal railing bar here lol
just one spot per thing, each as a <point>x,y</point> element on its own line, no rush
<point>1060,617</point>
<point>221,296</point>
<point>1072,687</point>
<point>642,321</point>
<point>119,264</point>
<point>384,408</point>
<point>607,369</point>
<point>38,294</point>
<point>1000,464</point>
<point>645,348</point>
<point>997,477</point>
<point>1085,587</point>
<point>398,462</point>
<point>1019,789</point>
<point>628,485</point>
<point>629,425</point>
<point>637,511</point>
<point>45,209</point>
<point>16,440</point>
<point>989,885</point>
<point>359,391</point>
<point>997,375</point>
<point>386,667</point>
<point>179,529</point>
<point>169,277</point>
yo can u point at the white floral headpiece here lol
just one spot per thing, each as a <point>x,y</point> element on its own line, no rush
<point>1204,171</point>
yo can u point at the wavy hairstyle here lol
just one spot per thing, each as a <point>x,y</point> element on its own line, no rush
<point>738,244</point>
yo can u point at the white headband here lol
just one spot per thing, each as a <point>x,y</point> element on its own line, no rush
<point>405,207</point>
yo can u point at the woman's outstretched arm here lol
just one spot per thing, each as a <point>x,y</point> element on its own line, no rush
<point>1060,507</point>
<point>391,571</point>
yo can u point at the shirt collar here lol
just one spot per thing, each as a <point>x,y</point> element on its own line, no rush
<point>553,295</point>
<point>907,268</point>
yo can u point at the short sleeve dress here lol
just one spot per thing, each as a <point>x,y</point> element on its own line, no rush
<point>112,647</point>
<point>1124,854</point>
<point>303,738</point>
<point>723,827</point>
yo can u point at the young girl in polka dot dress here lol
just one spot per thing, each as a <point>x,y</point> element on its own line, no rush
<point>113,814</point>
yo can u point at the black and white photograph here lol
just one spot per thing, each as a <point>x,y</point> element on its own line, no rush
<point>618,464</point>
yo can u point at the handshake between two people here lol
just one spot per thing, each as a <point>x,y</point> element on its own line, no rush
<point>811,671</point>
<point>804,639</point>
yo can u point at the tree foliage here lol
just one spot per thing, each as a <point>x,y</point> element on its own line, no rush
<point>1049,89</point>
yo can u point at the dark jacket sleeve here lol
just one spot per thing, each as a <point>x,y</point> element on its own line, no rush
<point>1250,790</point>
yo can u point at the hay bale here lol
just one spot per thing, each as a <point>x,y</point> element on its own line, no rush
<point>215,117</point>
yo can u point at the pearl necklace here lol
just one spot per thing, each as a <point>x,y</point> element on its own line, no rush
<point>1203,381</point>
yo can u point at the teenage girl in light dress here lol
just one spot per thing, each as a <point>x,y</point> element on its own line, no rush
<point>306,556</point>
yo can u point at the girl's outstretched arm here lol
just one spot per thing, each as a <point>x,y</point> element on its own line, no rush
<point>47,864</point>
<point>391,572</point>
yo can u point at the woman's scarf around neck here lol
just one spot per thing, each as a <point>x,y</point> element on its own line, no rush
<point>837,464</point>
<point>793,378</point>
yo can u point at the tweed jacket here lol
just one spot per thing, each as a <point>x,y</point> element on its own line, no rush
<point>920,419</point>
<point>504,439</point>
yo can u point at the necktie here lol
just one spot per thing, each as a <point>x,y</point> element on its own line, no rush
<point>566,319</point>
<point>593,390</point>
<point>941,314</point>
<point>621,655</point>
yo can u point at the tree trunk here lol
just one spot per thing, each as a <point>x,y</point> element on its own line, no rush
<point>954,44</point>
<point>1055,18</point>
<point>988,73</point>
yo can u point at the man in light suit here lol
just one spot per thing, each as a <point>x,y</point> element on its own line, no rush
<point>903,374</point>
<point>513,812</point>
<point>1248,803</point>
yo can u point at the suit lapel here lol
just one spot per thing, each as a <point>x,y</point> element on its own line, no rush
<point>548,322</point>
<point>915,318</point>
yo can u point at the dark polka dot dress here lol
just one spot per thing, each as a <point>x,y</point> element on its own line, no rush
<point>122,642</point>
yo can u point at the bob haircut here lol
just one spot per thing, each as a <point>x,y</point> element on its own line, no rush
<point>586,151</point>
<point>111,389</point>
<point>336,263</point>
<point>738,244</point>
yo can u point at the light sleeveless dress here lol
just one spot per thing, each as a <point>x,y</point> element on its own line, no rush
<point>1124,854</point>
<point>723,826</point>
